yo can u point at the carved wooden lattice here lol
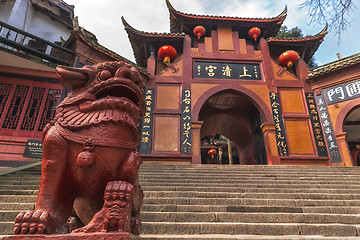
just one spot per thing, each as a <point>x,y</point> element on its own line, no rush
<point>51,103</point>
<point>5,90</point>
<point>33,109</point>
<point>17,102</point>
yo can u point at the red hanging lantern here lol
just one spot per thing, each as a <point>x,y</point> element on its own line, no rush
<point>212,152</point>
<point>254,33</point>
<point>167,53</point>
<point>199,31</point>
<point>288,58</point>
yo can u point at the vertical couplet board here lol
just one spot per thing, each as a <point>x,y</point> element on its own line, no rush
<point>145,144</point>
<point>329,133</point>
<point>186,122</point>
<point>316,125</point>
<point>279,125</point>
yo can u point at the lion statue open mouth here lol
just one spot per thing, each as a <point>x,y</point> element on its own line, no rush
<point>92,140</point>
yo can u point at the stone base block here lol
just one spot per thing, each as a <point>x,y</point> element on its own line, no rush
<point>77,236</point>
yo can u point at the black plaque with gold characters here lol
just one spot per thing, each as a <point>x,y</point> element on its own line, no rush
<point>186,122</point>
<point>33,148</point>
<point>145,144</point>
<point>242,71</point>
<point>316,125</point>
<point>279,125</point>
<point>328,130</point>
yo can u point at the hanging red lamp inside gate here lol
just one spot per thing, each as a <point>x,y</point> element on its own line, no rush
<point>167,53</point>
<point>212,152</point>
<point>254,33</point>
<point>199,31</point>
<point>288,58</point>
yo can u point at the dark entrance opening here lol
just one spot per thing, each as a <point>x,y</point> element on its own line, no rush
<point>232,127</point>
<point>351,126</point>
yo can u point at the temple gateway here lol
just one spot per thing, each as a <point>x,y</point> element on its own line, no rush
<point>220,90</point>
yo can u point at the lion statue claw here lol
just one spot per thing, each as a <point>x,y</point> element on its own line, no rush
<point>92,140</point>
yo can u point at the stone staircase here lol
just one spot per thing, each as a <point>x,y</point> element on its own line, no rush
<point>226,202</point>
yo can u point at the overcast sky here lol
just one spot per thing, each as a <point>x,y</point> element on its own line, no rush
<point>103,18</point>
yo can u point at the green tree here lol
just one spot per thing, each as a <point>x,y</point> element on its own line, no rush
<point>295,32</point>
<point>284,32</point>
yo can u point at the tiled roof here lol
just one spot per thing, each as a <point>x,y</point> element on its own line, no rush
<point>335,65</point>
<point>271,24</point>
<point>91,39</point>
<point>305,46</point>
<point>138,40</point>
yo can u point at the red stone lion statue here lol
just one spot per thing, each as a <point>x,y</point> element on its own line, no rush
<point>92,140</point>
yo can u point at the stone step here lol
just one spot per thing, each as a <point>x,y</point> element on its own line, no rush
<point>18,199</point>
<point>264,174</point>
<point>19,187</point>
<point>241,181</point>
<point>250,209</point>
<point>281,229</point>
<point>239,237</point>
<point>240,189</point>
<point>252,185</point>
<point>248,189</point>
<point>196,194</point>
<point>172,228</point>
<point>251,201</point>
<point>8,216</point>
<point>17,206</point>
<point>247,174</point>
<point>18,192</point>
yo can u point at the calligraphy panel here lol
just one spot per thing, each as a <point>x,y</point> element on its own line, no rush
<point>146,130</point>
<point>316,125</point>
<point>216,70</point>
<point>342,92</point>
<point>186,122</point>
<point>281,142</point>
<point>327,128</point>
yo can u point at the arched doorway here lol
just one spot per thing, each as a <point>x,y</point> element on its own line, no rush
<point>351,126</point>
<point>231,125</point>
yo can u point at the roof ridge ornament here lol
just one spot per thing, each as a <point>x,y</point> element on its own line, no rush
<point>324,31</point>
<point>283,14</point>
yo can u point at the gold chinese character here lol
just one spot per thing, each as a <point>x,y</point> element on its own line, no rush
<point>227,71</point>
<point>149,91</point>
<point>186,126</point>
<point>145,139</point>
<point>186,110</point>
<point>245,70</point>
<point>186,133</point>
<point>186,142</point>
<point>148,103</point>
<point>148,97</point>
<point>147,114</point>
<point>146,120</point>
<point>145,133</point>
<point>275,104</point>
<point>186,117</point>
<point>210,70</point>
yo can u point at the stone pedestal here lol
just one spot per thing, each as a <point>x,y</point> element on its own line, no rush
<point>77,236</point>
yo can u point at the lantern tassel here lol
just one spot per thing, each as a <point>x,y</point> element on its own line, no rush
<point>199,35</point>
<point>289,64</point>
<point>255,37</point>
<point>166,60</point>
